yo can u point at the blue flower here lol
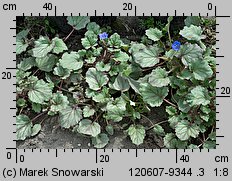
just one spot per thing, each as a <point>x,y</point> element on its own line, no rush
<point>176,45</point>
<point>103,36</point>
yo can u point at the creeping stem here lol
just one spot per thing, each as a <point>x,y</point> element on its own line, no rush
<point>69,34</point>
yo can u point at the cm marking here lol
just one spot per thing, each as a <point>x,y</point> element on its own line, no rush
<point>9,7</point>
<point>222,159</point>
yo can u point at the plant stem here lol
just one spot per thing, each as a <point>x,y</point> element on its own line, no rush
<point>61,82</point>
<point>35,72</point>
<point>69,34</point>
<point>99,115</point>
<point>60,88</point>
<point>38,116</point>
<point>169,36</point>
<point>167,101</point>
<point>21,110</point>
<point>161,122</point>
<point>164,58</point>
<point>147,119</point>
<point>202,142</point>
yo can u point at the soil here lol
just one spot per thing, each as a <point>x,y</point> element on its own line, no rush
<point>54,137</point>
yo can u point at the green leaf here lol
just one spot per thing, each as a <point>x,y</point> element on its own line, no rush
<point>154,96</point>
<point>71,61</point>
<point>173,121</point>
<point>209,145</point>
<point>87,111</point>
<point>60,46</point>
<point>21,43</point>
<point>22,34</point>
<point>36,129</point>
<point>96,79</point>
<point>192,20</point>
<point>198,96</point>
<point>170,54</point>
<point>70,116</point>
<point>102,67</point>
<point>171,110</point>
<point>110,129</point>
<point>190,52</point>
<point>21,102</point>
<point>136,133</point>
<point>21,46</point>
<point>90,60</point>
<point>46,63</point>
<point>121,56</point>
<point>121,83</point>
<point>147,57</point>
<point>159,77</point>
<point>192,146</point>
<point>135,85</point>
<point>135,47</point>
<point>78,22</point>
<point>88,127</point>
<point>103,96</point>
<point>183,105</point>
<point>167,26</point>
<point>211,61</point>
<point>90,40</point>
<point>64,73</point>
<point>212,136</point>
<point>36,107</point>
<point>158,130</point>
<point>192,33</point>
<point>96,51</point>
<point>201,70</point>
<point>26,64</point>
<point>185,74</point>
<point>115,41</point>
<point>185,130</point>
<point>100,141</point>
<point>40,92</point>
<point>92,26</point>
<point>170,140</point>
<point>23,126</point>
<point>116,109</point>
<point>154,34</point>
<point>181,144</point>
<point>59,102</point>
<point>42,47</point>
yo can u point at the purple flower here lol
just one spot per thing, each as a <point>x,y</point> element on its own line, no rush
<point>103,36</point>
<point>176,45</point>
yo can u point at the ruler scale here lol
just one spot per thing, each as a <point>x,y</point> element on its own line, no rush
<point>114,164</point>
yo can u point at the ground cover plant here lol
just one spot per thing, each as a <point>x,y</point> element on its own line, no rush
<point>112,80</point>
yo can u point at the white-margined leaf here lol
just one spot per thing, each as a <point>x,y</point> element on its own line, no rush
<point>40,92</point>
<point>100,141</point>
<point>78,22</point>
<point>71,61</point>
<point>185,130</point>
<point>154,96</point>
<point>70,116</point>
<point>147,57</point>
<point>96,79</point>
<point>136,133</point>
<point>154,34</point>
<point>159,78</point>
<point>88,127</point>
